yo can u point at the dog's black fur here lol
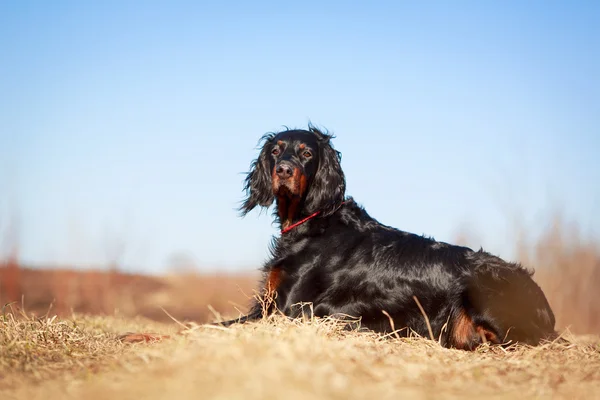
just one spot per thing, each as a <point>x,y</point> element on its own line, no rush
<point>345,262</point>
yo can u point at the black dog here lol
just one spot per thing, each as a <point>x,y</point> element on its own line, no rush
<point>334,255</point>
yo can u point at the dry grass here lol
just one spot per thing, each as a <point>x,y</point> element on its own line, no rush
<point>80,358</point>
<point>36,349</point>
<point>187,296</point>
<point>568,270</point>
<point>79,355</point>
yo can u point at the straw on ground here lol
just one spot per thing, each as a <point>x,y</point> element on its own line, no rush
<point>80,357</point>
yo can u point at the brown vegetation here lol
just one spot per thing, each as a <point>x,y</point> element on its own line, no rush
<point>567,268</point>
<point>186,296</point>
<point>80,358</point>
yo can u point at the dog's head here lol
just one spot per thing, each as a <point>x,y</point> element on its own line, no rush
<point>301,170</point>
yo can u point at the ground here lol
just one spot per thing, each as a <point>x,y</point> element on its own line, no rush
<point>82,357</point>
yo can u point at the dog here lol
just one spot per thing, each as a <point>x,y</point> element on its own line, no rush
<point>332,255</point>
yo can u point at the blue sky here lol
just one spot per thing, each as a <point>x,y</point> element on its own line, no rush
<point>125,127</point>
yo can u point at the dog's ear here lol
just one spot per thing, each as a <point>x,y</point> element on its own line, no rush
<point>328,187</point>
<point>257,185</point>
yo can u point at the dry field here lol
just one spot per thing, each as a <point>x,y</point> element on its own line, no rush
<point>66,342</point>
<point>81,357</point>
<point>187,296</point>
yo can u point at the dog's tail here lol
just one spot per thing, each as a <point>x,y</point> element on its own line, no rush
<point>501,304</point>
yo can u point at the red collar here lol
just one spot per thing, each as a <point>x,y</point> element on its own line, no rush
<point>289,228</point>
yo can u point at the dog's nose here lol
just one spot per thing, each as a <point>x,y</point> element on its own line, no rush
<point>284,170</point>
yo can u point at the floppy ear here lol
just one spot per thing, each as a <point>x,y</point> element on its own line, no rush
<point>258,186</point>
<point>328,187</point>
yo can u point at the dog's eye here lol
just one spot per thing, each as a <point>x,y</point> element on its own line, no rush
<point>275,152</point>
<point>307,154</point>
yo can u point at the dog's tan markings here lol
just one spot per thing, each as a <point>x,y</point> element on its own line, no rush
<point>302,146</point>
<point>465,333</point>
<point>288,198</point>
<point>280,142</point>
<point>299,186</point>
<point>487,335</point>
<point>282,211</point>
<point>273,280</point>
<point>281,199</point>
<point>292,211</point>
<point>296,181</point>
<point>272,283</point>
<point>274,178</point>
<point>302,185</point>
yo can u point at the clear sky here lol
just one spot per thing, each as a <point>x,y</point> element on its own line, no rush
<point>126,126</point>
